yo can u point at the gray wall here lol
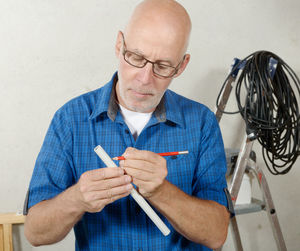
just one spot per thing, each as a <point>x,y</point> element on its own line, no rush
<point>52,51</point>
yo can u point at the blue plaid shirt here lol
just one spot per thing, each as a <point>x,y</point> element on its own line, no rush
<point>94,119</point>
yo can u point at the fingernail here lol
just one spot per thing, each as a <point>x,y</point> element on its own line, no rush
<point>121,171</point>
<point>121,163</point>
<point>129,187</point>
<point>128,179</point>
<point>127,152</point>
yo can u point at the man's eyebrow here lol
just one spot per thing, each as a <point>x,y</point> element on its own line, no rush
<point>164,62</point>
<point>159,61</point>
<point>137,51</point>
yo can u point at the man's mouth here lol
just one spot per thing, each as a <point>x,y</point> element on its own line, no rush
<point>141,93</point>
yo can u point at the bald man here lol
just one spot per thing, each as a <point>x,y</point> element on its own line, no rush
<point>134,115</point>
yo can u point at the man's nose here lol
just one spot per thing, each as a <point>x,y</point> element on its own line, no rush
<point>146,73</point>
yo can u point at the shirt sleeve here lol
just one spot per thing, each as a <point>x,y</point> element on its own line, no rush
<point>210,181</point>
<point>53,173</point>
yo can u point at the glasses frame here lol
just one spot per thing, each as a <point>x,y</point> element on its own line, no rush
<point>151,62</point>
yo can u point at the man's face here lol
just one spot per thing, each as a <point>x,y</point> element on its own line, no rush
<point>138,89</point>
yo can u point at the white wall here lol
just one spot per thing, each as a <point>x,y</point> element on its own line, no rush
<point>51,51</point>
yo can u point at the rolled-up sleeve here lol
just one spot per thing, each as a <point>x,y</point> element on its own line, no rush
<point>53,173</point>
<point>210,179</point>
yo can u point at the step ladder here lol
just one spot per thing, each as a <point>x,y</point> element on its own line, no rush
<point>241,162</point>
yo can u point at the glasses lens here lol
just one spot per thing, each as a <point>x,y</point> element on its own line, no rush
<point>163,70</point>
<point>134,59</point>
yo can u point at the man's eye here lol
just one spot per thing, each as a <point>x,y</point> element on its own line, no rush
<point>162,67</point>
<point>136,57</point>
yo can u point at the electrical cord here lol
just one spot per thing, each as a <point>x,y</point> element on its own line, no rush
<point>268,103</point>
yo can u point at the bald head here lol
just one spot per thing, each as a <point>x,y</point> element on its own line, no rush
<point>166,20</point>
<point>157,35</point>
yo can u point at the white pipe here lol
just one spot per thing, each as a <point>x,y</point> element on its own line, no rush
<point>135,195</point>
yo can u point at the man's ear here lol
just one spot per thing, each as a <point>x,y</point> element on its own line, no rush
<point>183,65</point>
<point>119,43</point>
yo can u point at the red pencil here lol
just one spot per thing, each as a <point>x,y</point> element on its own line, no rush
<point>161,154</point>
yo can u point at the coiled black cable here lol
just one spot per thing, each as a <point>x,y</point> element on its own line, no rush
<point>269,106</point>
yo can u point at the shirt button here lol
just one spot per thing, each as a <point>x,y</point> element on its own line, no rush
<point>127,131</point>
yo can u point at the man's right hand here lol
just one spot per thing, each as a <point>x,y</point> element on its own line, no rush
<point>99,187</point>
<point>49,221</point>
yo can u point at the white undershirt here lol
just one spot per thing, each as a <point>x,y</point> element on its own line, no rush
<point>135,121</point>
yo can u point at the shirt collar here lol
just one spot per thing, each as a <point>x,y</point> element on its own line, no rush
<point>106,100</point>
<point>172,109</point>
<point>167,109</point>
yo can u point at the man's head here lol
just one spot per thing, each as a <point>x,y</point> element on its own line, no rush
<point>159,31</point>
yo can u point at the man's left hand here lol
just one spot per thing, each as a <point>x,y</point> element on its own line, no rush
<point>147,169</point>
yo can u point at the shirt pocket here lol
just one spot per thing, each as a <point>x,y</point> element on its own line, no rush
<point>181,171</point>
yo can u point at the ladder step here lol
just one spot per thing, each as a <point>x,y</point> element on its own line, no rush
<point>255,206</point>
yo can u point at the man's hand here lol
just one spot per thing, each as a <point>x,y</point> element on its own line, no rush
<point>147,169</point>
<point>99,187</point>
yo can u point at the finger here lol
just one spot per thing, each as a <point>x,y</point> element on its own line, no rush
<point>116,197</point>
<point>103,173</point>
<point>98,205</point>
<point>137,164</point>
<point>110,183</point>
<point>133,153</point>
<point>119,196</point>
<point>110,193</point>
<point>139,174</point>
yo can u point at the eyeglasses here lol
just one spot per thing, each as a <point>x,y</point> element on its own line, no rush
<point>139,61</point>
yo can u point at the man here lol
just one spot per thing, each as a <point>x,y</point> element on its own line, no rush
<point>134,115</point>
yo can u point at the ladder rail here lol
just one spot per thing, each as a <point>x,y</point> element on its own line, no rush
<point>240,169</point>
<point>269,205</point>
